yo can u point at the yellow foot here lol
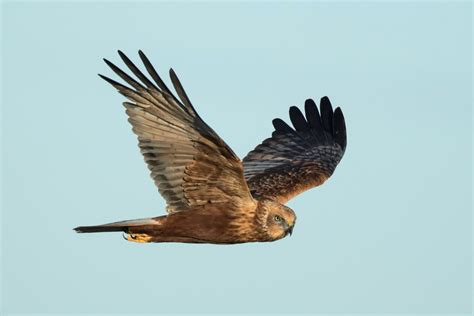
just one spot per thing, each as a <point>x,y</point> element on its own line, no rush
<point>137,237</point>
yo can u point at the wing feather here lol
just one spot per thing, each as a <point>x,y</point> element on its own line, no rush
<point>189,163</point>
<point>295,160</point>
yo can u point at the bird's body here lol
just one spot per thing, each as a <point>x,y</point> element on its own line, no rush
<point>212,196</point>
<point>211,224</point>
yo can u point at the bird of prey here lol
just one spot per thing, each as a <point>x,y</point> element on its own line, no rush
<point>212,196</point>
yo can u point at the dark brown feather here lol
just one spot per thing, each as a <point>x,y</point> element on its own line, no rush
<point>295,160</point>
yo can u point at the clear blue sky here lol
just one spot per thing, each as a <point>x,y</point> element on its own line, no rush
<point>389,232</point>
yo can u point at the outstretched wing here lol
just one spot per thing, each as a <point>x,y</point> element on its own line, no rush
<point>190,164</point>
<point>295,160</point>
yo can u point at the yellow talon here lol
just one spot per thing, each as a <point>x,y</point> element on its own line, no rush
<point>137,237</point>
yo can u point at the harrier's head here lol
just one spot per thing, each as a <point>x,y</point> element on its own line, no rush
<point>279,219</point>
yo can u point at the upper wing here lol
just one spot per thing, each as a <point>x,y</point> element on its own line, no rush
<point>191,165</point>
<point>295,160</point>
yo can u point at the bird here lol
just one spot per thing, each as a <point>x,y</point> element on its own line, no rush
<point>212,196</point>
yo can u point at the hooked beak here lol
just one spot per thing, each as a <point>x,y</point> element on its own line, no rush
<point>290,230</point>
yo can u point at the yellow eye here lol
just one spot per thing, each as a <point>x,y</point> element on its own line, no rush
<point>277,218</point>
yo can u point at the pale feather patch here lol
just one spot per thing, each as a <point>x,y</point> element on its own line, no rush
<point>140,238</point>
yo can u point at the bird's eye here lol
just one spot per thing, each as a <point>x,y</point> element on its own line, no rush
<point>277,218</point>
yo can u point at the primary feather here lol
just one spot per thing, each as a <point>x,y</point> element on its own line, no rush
<point>190,164</point>
<point>296,159</point>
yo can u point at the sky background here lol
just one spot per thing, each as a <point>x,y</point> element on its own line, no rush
<point>390,232</point>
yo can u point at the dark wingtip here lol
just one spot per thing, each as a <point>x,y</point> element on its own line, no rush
<point>172,73</point>
<point>152,72</point>
<point>143,57</point>
<point>112,82</point>
<point>106,79</point>
<point>112,66</point>
<point>326,114</point>
<point>309,102</point>
<point>339,128</point>
<point>298,120</point>
<point>281,126</point>
<point>312,114</point>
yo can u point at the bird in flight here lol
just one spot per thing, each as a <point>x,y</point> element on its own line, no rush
<point>212,196</point>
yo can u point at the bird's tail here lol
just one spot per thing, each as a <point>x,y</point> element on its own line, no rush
<point>122,226</point>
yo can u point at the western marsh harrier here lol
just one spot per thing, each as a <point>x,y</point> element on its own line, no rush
<point>212,196</point>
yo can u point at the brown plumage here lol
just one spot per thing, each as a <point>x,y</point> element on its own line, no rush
<point>212,196</point>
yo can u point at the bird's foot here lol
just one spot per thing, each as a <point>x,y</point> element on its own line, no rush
<point>137,237</point>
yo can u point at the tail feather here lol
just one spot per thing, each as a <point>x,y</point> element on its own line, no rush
<point>122,226</point>
<point>99,229</point>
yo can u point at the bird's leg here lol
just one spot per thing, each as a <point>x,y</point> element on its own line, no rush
<point>137,237</point>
